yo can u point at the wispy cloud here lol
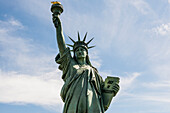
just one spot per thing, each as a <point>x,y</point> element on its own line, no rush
<point>158,84</point>
<point>142,6</point>
<point>127,85</point>
<point>95,59</point>
<point>126,82</point>
<point>163,29</point>
<point>22,52</point>
<point>10,25</point>
<point>39,9</point>
<point>28,74</point>
<point>22,88</point>
<point>149,97</point>
<point>157,91</point>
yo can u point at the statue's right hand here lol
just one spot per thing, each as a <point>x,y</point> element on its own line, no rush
<point>56,21</point>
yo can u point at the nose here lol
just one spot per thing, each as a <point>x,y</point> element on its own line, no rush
<point>79,52</point>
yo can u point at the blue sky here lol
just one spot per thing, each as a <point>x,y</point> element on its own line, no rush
<point>132,39</point>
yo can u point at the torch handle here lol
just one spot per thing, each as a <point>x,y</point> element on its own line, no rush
<point>56,19</point>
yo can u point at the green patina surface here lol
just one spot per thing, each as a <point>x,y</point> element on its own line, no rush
<point>84,90</point>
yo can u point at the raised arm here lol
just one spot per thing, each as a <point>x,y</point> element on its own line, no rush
<point>60,37</point>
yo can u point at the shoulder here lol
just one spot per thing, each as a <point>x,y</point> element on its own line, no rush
<point>65,56</point>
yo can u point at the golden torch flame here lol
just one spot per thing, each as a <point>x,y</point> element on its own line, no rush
<point>55,2</point>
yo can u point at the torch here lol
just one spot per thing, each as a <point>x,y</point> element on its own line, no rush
<point>56,9</point>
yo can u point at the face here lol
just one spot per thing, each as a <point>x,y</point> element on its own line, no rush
<point>80,52</point>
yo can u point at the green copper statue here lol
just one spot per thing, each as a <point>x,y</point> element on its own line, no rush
<point>84,90</point>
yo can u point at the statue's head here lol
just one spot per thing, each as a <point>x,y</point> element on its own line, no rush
<point>80,52</point>
<point>80,48</point>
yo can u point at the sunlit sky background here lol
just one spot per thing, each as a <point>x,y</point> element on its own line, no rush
<point>132,39</point>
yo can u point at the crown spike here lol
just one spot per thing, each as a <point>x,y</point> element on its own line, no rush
<point>70,45</point>
<point>78,36</point>
<point>89,41</point>
<point>85,37</point>
<point>91,47</point>
<point>71,39</point>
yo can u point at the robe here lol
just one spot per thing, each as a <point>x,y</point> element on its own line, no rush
<point>81,91</point>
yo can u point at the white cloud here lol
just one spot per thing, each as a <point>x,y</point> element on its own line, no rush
<point>34,78</point>
<point>149,97</point>
<point>16,23</point>
<point>158,56</point>
<point>126,82</point>
<point>38,8</point>
<point>147,92</point>
<point>159,84</point>
<point>126,86</point>
<point>41,90</point>
<point>164,99</point>
<point>163,29</point>
<point>94,58</point>
<point>142,6</point>
<point>156,91</point>
<point>22,88</point>
<point>23,53</point>
<point>161,70</point>
<point>10,25</point>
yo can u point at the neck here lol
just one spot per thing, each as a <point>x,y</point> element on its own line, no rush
<point>81,61</point>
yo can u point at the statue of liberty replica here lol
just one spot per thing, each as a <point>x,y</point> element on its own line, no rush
<point>84,90</point>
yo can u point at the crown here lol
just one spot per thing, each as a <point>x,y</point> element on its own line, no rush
<point>80,43</point>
